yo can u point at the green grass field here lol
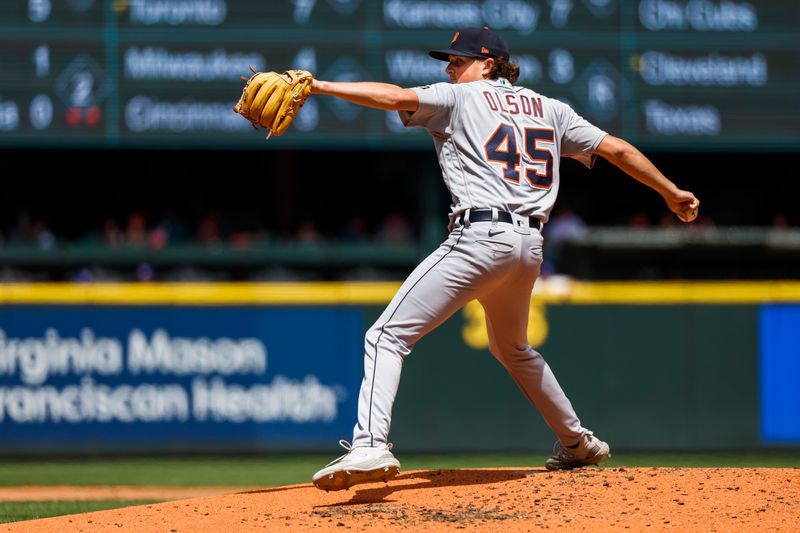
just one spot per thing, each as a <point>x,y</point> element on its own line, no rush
<point>282,470</point>
<point>17,511</point>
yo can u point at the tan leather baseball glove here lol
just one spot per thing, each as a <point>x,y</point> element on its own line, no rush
<point>271,100</point>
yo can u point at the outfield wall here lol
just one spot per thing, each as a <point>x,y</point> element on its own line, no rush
<point>276,367</point>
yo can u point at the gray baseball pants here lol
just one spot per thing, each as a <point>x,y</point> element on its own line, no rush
<point>495,263</point>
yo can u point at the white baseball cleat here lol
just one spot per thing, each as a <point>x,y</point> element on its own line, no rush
<point>363,464</point>
<point>589,451</point>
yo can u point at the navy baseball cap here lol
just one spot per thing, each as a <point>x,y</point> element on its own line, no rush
<point>473,42</point>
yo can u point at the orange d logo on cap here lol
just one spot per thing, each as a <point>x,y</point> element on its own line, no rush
<point>473,42</point>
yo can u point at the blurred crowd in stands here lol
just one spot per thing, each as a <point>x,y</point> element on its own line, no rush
<point>145,235</point>
<point>182,204</point>
<point>142,238</point>
<point>140,229</point>
<point>158,199</point>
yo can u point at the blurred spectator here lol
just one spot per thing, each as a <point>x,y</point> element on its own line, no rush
<point>669,221</point>
<point>208,230</point>
<point>158,238</point>
<point>145,272</point>
<point>98,274</point>
<point>307,233</point>
<point>356,230</point>
<point>42,236</point>
<point>780,221</point>
<point>36,232</point>
<point>639,220</point>
<point>395,229</point>
<point>112,236</point>
<point>240,240</point>
<point>564,226</point>
<point>136,230</point>
<point>169,230</point>
<point>84,275</point>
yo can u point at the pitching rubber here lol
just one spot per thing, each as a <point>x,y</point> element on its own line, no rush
<point>344,479</point>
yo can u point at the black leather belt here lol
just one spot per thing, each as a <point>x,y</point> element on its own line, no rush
<point>485,215</point>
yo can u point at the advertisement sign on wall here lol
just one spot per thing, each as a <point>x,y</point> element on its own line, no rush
<point>202,378</point>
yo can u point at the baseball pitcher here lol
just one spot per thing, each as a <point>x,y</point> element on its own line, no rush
<point>499,148</point>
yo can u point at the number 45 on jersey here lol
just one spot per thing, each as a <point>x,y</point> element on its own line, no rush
<point>502,147</point>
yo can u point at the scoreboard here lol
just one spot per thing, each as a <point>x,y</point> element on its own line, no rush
<point>708,75</point>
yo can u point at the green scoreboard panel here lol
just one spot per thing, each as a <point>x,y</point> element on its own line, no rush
<point>716,75</point>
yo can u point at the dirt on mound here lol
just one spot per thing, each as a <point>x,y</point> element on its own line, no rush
<point>511,499</point>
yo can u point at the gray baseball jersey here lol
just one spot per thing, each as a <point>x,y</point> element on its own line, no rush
<point>500,145</point>
<point>499,148</point>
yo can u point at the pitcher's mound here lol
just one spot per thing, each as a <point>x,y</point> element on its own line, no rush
<point>510,499</point>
